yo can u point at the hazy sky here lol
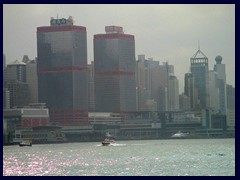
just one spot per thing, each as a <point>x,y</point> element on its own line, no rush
<point>163,32</point>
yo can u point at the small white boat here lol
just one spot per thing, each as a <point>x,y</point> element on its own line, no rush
<point>25,143</point>
<point>179,134</point>
<point>108,140</point>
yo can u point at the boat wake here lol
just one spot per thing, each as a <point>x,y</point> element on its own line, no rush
<point>116,144</point>
<point>113,144</point>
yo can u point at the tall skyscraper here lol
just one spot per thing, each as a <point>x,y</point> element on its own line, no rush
<point>91,95</point>
<point>16,71</point>
<point>230,106</point>
<point>190,90</point>
<point>32,80</point>
<point>199,69</point>
<point>62,71</point>
<point>214,91</point>
<point>173,93</point>
<point>164,92</point>
<point>16,84</point>
<point>221,75</point>
<point>4,61</point>
<point>144,83</point>
<point>114,66</point>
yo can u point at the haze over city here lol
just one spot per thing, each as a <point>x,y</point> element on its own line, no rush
<point>162,32</point>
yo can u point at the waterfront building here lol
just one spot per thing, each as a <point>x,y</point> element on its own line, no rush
<point>29,116</point>
<point>199,69</point>
<point>114,68</point>
<point>62,71</point>
<point>26,117</point>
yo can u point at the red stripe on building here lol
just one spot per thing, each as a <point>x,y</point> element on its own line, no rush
<point>62,69</point>
<point>45,29</point>
<point>115,73</point>
<point>113,36</point>
<point>69,117</point>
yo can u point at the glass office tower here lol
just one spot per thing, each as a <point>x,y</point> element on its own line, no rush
<point>62,71</point>
<point>114,67</point>
<point>199,69</point>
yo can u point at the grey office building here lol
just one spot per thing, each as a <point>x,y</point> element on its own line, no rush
<point>62,71</point>
<point>114,67</point>
<point>189,89</point>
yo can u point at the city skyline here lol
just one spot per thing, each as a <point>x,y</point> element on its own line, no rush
<point>163,32</point>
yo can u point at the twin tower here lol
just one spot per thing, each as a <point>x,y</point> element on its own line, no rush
<point>63,72</point>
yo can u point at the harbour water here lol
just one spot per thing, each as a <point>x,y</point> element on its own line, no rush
<point>173,157</point>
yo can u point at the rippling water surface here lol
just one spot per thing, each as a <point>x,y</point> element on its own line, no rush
<point>186,157</point>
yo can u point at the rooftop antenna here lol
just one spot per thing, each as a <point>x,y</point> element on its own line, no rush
<point>57,15</point>
<point>198,45</point>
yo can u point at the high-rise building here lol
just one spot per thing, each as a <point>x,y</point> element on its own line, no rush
<point>189,89</point>
<point>16,71</point>
<point>230,97</point>
<point>184,102</point>
<point>153,83</point>
<point>6,98</point>
<point>173,93</point>
<point>19,93</point>
<point>26,59</point>
<point>165,70</point>
<point>32,80</point>
<point>62,71</point>
<point>221,75</point>
<point>4,61</point>
<point>16,84</point>
<point>114,68</point>
<point>214,91</point>
<point>230,105</point>
<point>144,83</point>
<point>91,95</point>
<point>199,69</point>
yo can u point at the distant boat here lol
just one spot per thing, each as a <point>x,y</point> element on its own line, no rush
<point>25,143</point>
<point>179,134</point>
<point>108,140</point>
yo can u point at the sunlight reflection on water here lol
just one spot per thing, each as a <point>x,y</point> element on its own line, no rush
<point>207,157</point>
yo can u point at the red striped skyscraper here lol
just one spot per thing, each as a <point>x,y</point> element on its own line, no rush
<point>114,67</point>
<point>62,71</point>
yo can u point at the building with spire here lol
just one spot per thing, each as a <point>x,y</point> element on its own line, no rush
<point>200,72</point>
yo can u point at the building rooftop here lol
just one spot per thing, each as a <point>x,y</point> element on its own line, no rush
<point>17,62</point>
